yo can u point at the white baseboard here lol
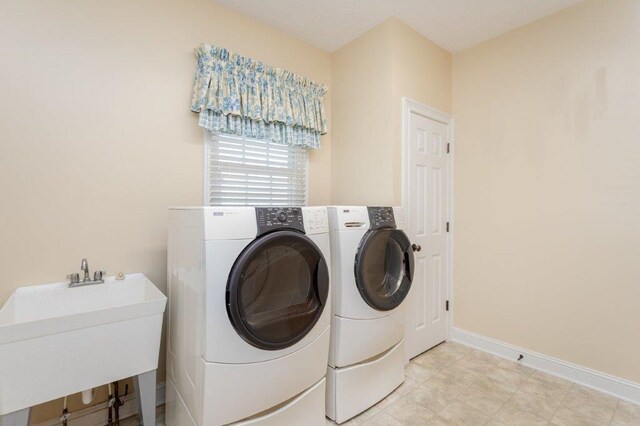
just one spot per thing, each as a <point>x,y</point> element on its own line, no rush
<point>621,388</point>
<point>97,415</point>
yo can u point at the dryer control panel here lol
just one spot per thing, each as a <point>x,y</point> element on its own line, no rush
<point>381,217</point>
<point>273,218</point>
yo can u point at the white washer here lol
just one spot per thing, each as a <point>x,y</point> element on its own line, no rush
<point>248,332</point>
<point>372,261</point>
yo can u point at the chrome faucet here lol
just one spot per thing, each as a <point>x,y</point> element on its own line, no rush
<point>84,266</point>
<point>74,279</point>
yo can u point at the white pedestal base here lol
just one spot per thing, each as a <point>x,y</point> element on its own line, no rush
<point>17,418</point>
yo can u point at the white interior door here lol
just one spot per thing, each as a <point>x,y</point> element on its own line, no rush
<point>428,215</point>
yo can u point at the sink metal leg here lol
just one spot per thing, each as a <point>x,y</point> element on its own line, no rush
<point>145,385</point>
<point>17,418</point>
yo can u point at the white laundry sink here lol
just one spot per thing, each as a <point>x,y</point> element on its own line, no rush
<point>56,340</point>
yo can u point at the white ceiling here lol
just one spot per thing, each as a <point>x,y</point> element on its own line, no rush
<point>452,24</point>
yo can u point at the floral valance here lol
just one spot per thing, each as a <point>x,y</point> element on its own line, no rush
<point>238,95</point>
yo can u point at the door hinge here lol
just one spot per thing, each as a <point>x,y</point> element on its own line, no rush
<point>447,305</point>
<point>447,226</point>
<point>448,147</point>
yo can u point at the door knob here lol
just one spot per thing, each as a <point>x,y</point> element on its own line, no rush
<point>416,247</point>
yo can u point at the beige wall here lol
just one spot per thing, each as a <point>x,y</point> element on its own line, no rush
<point>547,187</point>
<point>361,105</point>
<point>422,71</point>
<point>97,139</point>
<point>370,76</point>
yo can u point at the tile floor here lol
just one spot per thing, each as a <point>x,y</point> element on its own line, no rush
<point>455,385</point>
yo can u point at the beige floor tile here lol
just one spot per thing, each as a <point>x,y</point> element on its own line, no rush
<point>481,401</point>
<point>477,352</point>
<point>452,384</point>
<point>409,413</point>
<point>461,374</point>
<point>551,379</point>
<point>512,365</point>
<point>494,388</point>
<point>545,389</point>
<point>494,422</point>
<point>596,405</point>
<point>419,373</point>
<point>628,407</point>
<point>462,415</point>
<point>449,357</point>
<point>458,347</point>
<point>449,352</point>
<point>626,414</point>
<point>567,417</point>
<point>446,385</point>
<point>512,414</point>
<point>479,363</point>
<point>542,406</point>
<point>432,361</point>
<point>592,395</point>
<point>438,421</point>
<point>508,376</point>
<point>489,358</point>
<point>383,419</point>
<point>429,398</point>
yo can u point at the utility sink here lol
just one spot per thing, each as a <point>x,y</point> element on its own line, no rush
<point>56,340</point>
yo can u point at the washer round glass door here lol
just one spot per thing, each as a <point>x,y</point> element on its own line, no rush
<point>384,268</point>
<point>277,289</point>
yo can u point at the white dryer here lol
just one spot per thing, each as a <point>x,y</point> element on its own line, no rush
<point>372,269</point>
<point>248,327</point>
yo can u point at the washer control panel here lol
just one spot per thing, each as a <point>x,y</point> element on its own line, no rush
<point>381,217</point>
<point>272,218</point>
<point>315,220</point>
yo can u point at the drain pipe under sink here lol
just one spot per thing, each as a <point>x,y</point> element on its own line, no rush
<point>87,396</point>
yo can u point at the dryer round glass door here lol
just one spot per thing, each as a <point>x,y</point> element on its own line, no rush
<point>384,268</point>
<point>277,289</point>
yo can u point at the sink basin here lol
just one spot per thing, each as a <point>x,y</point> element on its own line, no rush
<point>56,340</point>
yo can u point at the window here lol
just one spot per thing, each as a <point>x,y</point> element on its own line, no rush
<point>241,171</point>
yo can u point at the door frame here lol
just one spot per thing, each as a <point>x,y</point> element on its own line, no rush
<point>410,106</point>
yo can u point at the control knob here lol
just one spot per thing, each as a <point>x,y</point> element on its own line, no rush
<point>281,216</point>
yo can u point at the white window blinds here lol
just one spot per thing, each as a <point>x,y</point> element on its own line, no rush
<point>241,171</point>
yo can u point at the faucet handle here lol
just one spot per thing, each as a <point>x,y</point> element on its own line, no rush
<point>99,275</point>
<point>74,278</point>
